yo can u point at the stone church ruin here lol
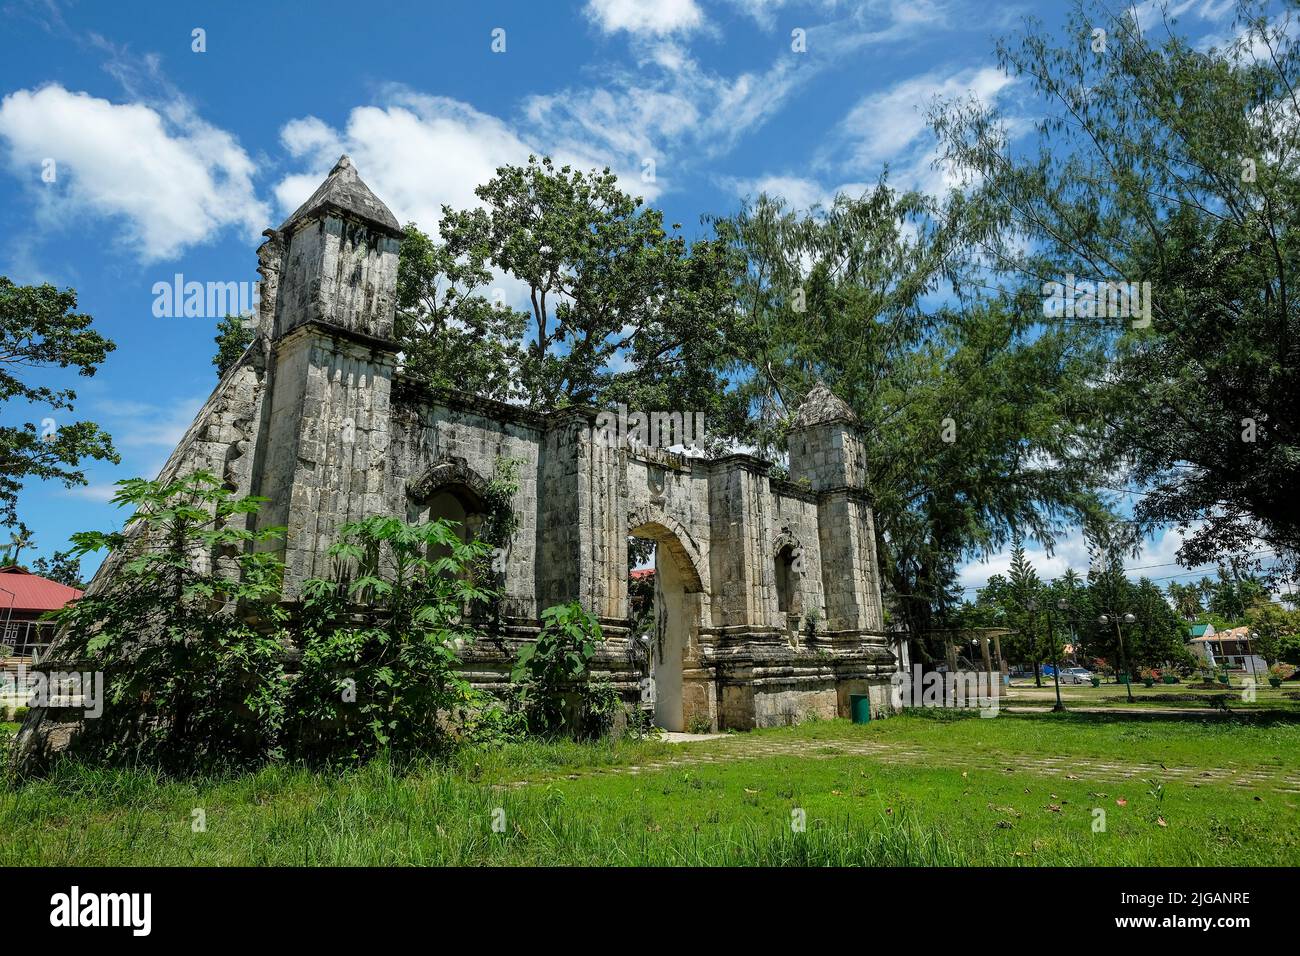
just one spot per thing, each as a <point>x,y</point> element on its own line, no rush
<point>767,591</point>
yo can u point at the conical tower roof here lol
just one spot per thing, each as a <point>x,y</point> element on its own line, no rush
<point>344,192</point>
<point>822,406</point>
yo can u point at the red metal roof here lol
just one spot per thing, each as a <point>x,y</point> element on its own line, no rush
<point>31,592</point>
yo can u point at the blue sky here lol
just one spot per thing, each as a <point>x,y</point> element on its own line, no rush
<point>168,160</point>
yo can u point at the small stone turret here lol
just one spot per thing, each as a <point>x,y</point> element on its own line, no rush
<point>826,450</point>
<point>824,445</point>
<point>340,259</point>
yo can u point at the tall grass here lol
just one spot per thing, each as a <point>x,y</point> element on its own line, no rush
<point>430,815</point>
<point>860,811</point>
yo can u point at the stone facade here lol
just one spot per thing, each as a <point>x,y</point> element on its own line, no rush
<point>768,603</point>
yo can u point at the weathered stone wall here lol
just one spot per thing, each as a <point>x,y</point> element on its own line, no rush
<point>438,438</point>
<point>340,272</point>
<point>317,417</point>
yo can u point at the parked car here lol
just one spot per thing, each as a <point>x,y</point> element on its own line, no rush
<point>1075,675</point>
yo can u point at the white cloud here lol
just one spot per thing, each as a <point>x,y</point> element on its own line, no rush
<point>93,492</point>
<point>415,151</point>
<point>1151,13</point>
<point>762,11</point>
<point>799,192</point>
<point>668,108</point>
<point>140,425</point>
<point>890,127</point>
<point>172,180</point>
<point>654,18</point>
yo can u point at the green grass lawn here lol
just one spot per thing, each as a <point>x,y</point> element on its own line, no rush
<point>911,790</point>
<point>1285,698</point>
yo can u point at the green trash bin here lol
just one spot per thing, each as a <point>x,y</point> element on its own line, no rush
<point>860,708</point>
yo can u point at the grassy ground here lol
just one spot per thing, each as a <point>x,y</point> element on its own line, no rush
<point>1015,790</point>
<point>1263,697</point>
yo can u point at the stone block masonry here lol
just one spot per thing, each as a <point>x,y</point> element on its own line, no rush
<point>768,604</point>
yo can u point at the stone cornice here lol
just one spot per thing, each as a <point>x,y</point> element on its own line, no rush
<point>750,463</point>
<point>374,343</point>
<point>792,489</point>
<point>460,401</point>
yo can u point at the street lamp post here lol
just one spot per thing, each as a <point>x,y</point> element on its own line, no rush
<point>1129,618</point>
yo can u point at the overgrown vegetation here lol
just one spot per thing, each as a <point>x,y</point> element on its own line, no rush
<point>381,642</point>
<point>205,669</point>
<point>189,635</point>
<point>232,339</point>
<point>40,328</point>
<point>552,674</point>
<point>978,797</point>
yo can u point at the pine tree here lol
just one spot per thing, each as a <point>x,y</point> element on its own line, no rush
<point>1025,588</point>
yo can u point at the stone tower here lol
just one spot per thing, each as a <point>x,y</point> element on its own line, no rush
<point>826,451</point>
<point>330,325</point>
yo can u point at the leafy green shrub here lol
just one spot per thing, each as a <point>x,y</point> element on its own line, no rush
<point>381,642</point>
<point>603,711</point>
<point>641,723</point>
<point>195,647</point>
<point>551,672</point>
<point>186,632</point>
<point>699,724</point>
<point>484,719</point>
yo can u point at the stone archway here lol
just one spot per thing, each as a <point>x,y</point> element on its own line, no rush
<point>453,490</point>
<point>679,692</point>
<point>650,522</point>
<point>448,473</point>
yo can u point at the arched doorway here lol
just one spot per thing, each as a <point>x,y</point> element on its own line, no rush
<point>672,630</point>
<point>787,585</point>
<point>459,504</point>
<point>454,491</point>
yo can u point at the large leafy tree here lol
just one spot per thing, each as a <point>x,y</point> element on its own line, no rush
<point>41,329</point>
<point>232,339</point>
<point>62,566</point>
<point>1024,610</point>
<point>974,416</point>
<point>1278,633</point>
<point>1186,599</point>
<point>453,334</point>
<point>606,283</point>
<point>1155,160</point>
<point>1233,595</point>
<point>1155,637</point>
